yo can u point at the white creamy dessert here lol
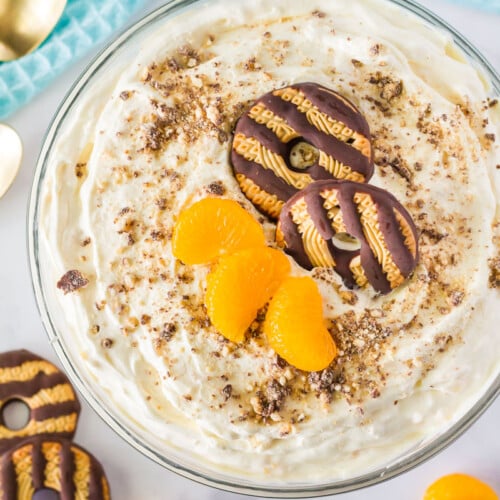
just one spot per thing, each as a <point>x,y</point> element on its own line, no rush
<point>153,135</point>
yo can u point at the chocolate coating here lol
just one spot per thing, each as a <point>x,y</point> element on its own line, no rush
<point>387,236</point>
<point>266,135</point>
<point>39,463</point>
<point>53,404</point>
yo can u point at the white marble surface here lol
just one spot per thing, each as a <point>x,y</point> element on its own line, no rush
<point>132,476</point>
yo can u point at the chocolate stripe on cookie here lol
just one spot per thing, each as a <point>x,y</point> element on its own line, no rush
<point>264,116</point>
<point>334,213</point>
<point>288,236</point>
<point>334,105</point>
<point>264,136</point>
<point>319,215</point>
<point>265,177</point>
<point>263,200</point>
<point>39,465</point>
<point>405,226</point>
<point>314,245</point>
<point>30,387</point>
<point>25,371</point>
<point>399,259</point>
<point>55,411</point>
<point>8,480</point>
<point>368,213</point>
<point>13,359</point>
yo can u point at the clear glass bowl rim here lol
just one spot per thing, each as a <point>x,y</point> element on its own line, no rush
<point>377,476</point>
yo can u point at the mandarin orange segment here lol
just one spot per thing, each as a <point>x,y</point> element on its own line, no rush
<point>239,285</point>
<point>295,327</point>
<point>459,487</point>
<point>212,227</point>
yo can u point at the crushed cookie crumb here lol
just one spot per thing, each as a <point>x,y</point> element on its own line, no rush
<point>173,65</point>
<point>94,329</point>
<point>325,381</point>
<point>107,343</point>
<point>157,235</point>
<point>270,399</point>
<point>71,281</point>
<point>252,65</point>
<point>168,331</point>
<point>280,362</point>
<point>390,87</point>
<point>494,279</point>
<point>400,167</point>
<point>80,170</point>
<point>456,297</point>
<point>227,391</point>
<point>123,211</point>
<point>217,188</point>
<point>161,203</point>
<point>433,235</point>
<point>125,95</point>
<point>319,14</point>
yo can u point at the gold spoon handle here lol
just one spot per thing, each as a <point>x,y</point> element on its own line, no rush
<point>25,24</point>
<point>11,154</point>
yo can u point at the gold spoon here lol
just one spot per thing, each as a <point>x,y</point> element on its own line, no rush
<point>25,24</point>
<point>11,154</point>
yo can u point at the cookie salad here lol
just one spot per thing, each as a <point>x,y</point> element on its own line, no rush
<point>271,234</point>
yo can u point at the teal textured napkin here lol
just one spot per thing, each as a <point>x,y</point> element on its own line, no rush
<point>489,5</point>
<point>83,24</point>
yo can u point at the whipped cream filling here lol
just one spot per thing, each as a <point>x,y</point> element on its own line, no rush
<point>152,134</point>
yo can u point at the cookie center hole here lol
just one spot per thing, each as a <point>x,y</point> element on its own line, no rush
<point>346,241</point>
<point>46,494</point>
<point>303,155</point>
<point>15,414</point>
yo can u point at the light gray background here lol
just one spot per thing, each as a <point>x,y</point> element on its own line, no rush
<point>132,476</point>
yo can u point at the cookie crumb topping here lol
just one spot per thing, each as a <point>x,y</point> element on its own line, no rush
<point>72,281</point>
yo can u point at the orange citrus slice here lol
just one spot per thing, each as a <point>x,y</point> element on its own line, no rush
<point>295,327</point>
<point>459,487</point>
<point>212,227</point>
<point>239,285</point>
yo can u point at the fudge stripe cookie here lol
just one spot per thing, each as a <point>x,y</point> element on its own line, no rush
<point>53,405</point>
<point>294,136</point>
<point>361,231</point>
<point>39,463</point>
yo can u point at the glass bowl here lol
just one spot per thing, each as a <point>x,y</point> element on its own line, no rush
<point>53,320</point>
